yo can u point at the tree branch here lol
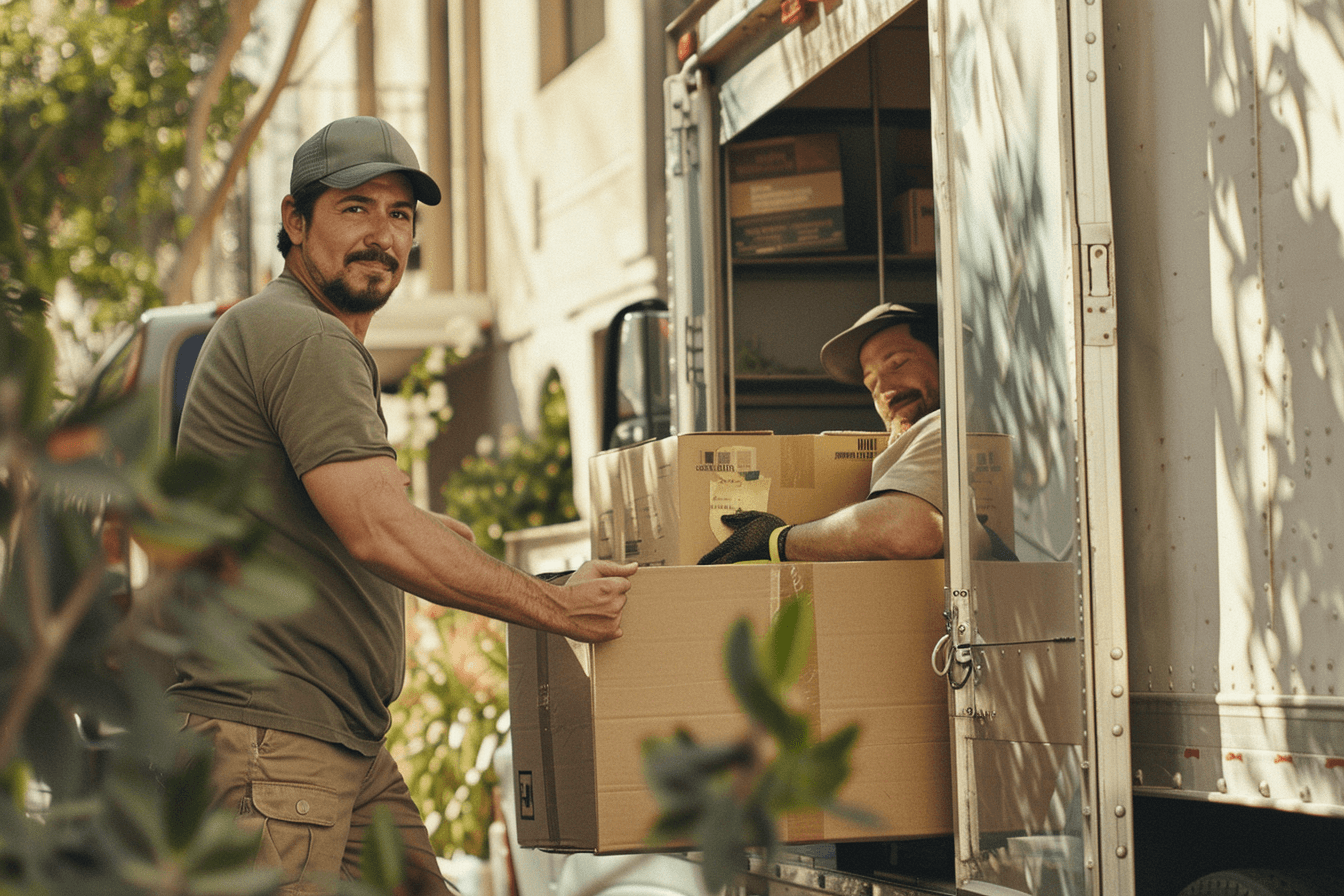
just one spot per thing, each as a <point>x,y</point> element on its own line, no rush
<point>178,290</point>
<point>50,634</point>
<point>240,22</point>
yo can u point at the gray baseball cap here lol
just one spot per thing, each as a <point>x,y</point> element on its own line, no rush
<point>351,151</point>
<point>840,356</point>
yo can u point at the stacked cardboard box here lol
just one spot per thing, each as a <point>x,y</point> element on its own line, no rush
<point>786,195</point>
<point>580,713</point>
<point>660,502</point>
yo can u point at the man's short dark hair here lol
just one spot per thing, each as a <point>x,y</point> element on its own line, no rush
<point>304,202</point>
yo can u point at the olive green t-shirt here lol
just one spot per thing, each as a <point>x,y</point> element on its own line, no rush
<point>286,383</point>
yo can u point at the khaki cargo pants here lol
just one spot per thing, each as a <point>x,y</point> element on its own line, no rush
<point>314,802</point>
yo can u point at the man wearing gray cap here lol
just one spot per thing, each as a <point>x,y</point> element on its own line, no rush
<point>892,351</point>
<point>284,379</point>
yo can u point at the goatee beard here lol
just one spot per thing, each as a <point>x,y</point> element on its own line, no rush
<point>364,301</point>
<point>345,299</point>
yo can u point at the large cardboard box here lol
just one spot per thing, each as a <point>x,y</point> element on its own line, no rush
<point>661,502</point>
<point>786,195</point>
<point>580,713</point>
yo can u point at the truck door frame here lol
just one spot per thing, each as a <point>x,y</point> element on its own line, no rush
<point>1106,799</point>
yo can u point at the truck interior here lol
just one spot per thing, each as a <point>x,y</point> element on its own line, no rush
<point>782,306</point>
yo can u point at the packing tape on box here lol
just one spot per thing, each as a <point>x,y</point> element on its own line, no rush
<point>792,580</point>
<point>545,733</point>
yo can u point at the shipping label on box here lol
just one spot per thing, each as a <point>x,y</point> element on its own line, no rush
<point>786,195</point>
<point>989,462</point>
<point>580,713</point>
<point>661,502</point>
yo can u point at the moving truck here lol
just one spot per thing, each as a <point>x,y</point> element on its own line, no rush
<point>1129,216</point>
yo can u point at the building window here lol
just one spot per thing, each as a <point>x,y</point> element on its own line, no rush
<point>567,29</point>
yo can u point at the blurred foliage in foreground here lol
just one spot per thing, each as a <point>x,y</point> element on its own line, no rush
<point>100,793</point>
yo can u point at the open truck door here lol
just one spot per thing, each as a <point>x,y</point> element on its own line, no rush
<point>1036,650</point>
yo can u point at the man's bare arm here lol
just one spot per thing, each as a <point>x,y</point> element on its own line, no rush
<point>366,505</point>
<point>887,526</point>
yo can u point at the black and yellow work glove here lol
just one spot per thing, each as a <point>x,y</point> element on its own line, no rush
<point>756,536</point>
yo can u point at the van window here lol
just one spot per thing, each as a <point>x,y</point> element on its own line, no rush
<point>183,365</point>
<point>566,30</point>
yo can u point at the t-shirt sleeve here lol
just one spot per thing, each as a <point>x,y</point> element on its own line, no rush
<point>914,466</point>
<point>322,400</point>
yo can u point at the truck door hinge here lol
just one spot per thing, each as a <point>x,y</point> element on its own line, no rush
<point>695,349</point>
<point>681,147</point>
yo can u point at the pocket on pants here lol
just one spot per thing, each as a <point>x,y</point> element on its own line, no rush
<point>294,816</point>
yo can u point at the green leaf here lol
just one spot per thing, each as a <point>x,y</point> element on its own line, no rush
<point>137,817</point>
<point>789,641</point>
<point>269,590</point>
<point>220,846</point>
<point>755,692</point>
<point>239,881</point>
<point>54,748</point>
<point>854,814</point>
<point>383,863</point>
<point>813,775</point>
<point>720,836</point>
<point>222,638</point>
<point>186,801</point>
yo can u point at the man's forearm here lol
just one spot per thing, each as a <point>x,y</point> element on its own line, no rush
<point>889,526</point>
<point>365,504</point>
<point>425,557</point>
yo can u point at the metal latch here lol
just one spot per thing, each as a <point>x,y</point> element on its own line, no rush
<point>1098,297</point>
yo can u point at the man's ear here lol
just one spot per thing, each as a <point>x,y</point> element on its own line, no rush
<point>292,221</point>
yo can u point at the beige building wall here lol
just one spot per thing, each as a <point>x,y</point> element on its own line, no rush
<point>572,182</point>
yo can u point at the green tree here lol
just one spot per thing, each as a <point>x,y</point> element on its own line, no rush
<point>122,129</point>
<point>94,106</point>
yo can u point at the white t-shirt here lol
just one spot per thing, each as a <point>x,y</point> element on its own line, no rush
<point>913,463</point>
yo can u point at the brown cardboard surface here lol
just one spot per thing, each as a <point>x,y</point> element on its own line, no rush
<point>786,195</point>
<point>660,502</point>
<point>577,738</point>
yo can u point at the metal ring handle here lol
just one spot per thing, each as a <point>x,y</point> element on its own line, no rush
<point>949,657</point>
<point>944,642</point>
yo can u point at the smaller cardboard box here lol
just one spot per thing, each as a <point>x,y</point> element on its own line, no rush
<point>661,502</point>
<point>914,222</point>
<point>580,713</point>
<point>786,195</point>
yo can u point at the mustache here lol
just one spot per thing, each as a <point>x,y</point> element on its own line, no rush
<point>376,255</point>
